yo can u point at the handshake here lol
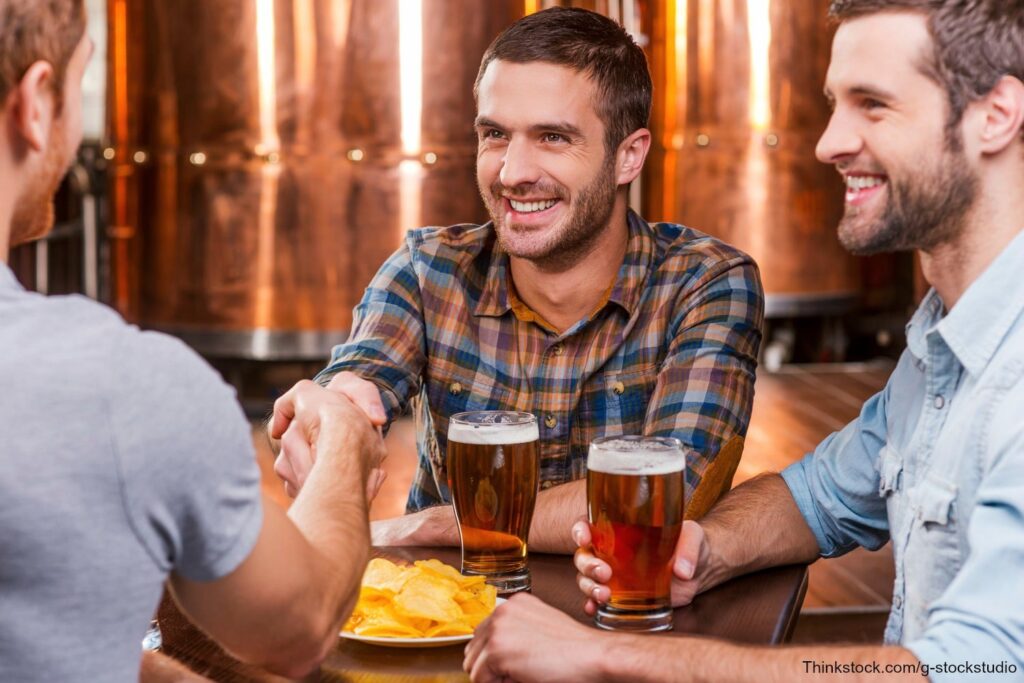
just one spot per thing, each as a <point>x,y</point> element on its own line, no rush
<point>340,423</point>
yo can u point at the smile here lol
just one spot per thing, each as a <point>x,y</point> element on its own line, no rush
<point>531,207</point>
<point>860,188</point>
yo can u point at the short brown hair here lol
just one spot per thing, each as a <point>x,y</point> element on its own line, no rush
<point>974,42</point>
<point>38,30</point>
<point>589,43</point>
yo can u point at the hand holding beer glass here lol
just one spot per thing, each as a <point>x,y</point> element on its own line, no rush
<point>494,476</point>
<point>635,509</point>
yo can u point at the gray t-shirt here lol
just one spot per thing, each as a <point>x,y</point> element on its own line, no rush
<point>123,457</point>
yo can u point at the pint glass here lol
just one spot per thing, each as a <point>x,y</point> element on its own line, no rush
<point>493,475</point>
<point>635,507</point>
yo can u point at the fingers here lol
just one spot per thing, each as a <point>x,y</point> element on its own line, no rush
<point>688,551</point>
<point>298,455</point>
<point>591,567</point>
<point>284,470</point>
<point>594,591</point>
<point>581,532</point>
<point>374,482</point>
<point>284,408</point>
<point>476,646</point>
<point>362,393</point>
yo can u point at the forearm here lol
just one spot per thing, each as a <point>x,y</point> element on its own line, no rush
<point>756,525</point>
<point>696,660</point>
<point>556,511</point>
<point>331,513</point>
<point>433,526</point>
<point>550,531</point>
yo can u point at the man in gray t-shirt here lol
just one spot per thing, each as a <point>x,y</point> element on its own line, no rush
<point>125,460</point>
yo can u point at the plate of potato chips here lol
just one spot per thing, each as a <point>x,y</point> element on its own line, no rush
<point>425,604</point>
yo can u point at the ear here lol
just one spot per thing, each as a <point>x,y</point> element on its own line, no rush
<point>630,157</point>
<point>1001,115</point>
<point>32,106</point>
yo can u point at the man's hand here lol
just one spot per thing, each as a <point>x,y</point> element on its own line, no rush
<point>505,646</point>
<point>308,418</point>
<point>594,574</point>
<point>435,526</point>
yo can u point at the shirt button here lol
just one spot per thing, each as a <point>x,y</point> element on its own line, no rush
<point>455,389</point>
<point>547,484</point>
<point>939,402</point>
<point>557,350</point>
<point>618,388</point>
<point>897,601</point>
<point>550,422</point>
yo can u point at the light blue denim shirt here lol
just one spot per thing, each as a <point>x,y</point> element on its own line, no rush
<point>936,462</point>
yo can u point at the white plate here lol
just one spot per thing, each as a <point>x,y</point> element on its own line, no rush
<point>439,641</point>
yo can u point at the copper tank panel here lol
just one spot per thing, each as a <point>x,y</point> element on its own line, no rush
<point>738,110</point>
<point>268,155</point>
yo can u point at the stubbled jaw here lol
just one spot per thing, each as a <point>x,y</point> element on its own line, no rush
<point>862,187</point>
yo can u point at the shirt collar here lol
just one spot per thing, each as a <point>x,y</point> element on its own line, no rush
<point>980,320</point>
<point>629,283</point>
<point>7,279</point>
<point>494,300</point>
<point>982,317</point>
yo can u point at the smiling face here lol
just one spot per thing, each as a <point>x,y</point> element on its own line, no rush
<point>542,166</point>
<point>908,183</point>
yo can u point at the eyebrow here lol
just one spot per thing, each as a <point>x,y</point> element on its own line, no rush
<point>862,90</point>
<point>563,127</point>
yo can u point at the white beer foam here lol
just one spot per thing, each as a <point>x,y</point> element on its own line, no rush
<point>493,434</point>
<point>635,461</point>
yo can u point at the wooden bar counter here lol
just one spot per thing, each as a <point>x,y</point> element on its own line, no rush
<point>760,608</point>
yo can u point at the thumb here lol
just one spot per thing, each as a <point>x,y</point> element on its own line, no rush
<point>688,550</point>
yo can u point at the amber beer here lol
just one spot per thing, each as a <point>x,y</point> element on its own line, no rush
<point>635,507</point>
<point>493,475</point>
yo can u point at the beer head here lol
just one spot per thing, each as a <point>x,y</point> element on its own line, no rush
<point>493,428</point>
<point>636,455</point>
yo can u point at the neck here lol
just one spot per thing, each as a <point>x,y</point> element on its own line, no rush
<point>6,212</point>
<point>996,219</point>
<point>565,296</point>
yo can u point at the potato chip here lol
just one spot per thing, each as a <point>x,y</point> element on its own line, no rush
<point>427,600</point>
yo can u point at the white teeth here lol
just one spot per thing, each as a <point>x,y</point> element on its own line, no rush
<point>530,207</point>
<point>862,182</point>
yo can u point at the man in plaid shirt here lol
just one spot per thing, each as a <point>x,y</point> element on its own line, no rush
<point>567,304</point>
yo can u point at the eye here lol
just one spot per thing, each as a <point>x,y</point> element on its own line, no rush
<point>555,137</point>
<point>491,134</point>
<point>871,104</point>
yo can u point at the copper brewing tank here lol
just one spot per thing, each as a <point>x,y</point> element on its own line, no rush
<point>738,110</point>
<point>268,155</point>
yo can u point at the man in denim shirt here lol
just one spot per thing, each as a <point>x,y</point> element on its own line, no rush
<point>927,134</point>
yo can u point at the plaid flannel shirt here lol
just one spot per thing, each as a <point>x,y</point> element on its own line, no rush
<point>671,352</point>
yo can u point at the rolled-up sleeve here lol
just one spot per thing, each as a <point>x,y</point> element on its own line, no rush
<point>705,387</point>
<point>836,486</point>
<point>979,618</point>
<point>387,345</point>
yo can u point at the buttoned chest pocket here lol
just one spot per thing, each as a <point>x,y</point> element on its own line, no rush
<point>616,403</point>
<point>449,393</point>
<point>934,555</point>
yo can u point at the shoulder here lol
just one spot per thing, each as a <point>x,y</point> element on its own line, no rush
<point>454,242</point>
<point>681,246</point>
<point>1003,427</point>
<point>453,256</point>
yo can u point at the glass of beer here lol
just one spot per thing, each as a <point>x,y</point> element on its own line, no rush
<point>635,508</point>
<point>493,475</point>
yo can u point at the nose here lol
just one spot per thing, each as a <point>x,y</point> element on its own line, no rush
<point>518,166</point>
<point>840,141</point>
